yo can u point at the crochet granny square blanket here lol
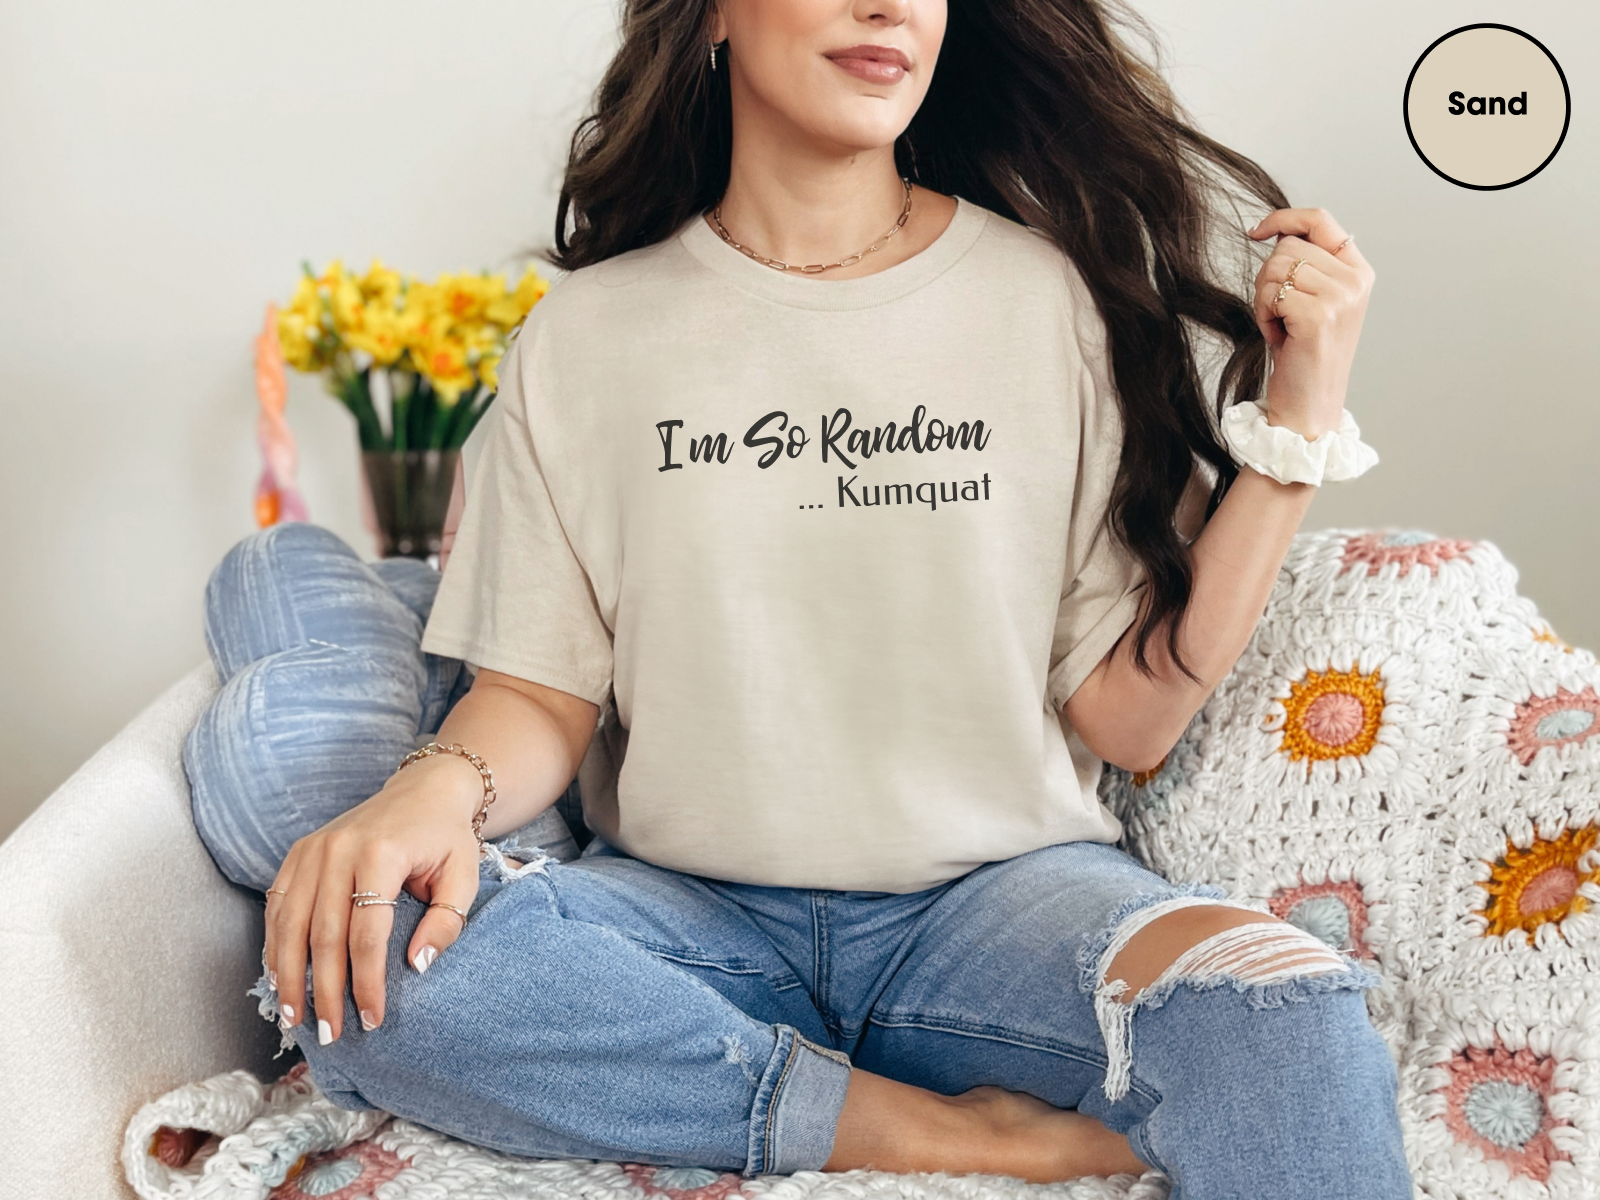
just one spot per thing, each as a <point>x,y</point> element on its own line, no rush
<point>1404,762</point>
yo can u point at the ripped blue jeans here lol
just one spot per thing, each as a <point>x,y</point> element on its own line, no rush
<point>604,1007</point>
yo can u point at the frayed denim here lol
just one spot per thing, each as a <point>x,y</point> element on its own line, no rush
<point>600,1006</point>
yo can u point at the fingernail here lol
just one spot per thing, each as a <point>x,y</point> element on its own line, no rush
<point>424,959</point>
<point>272,978</point>
<point>324,1033</point>
<point>367,1022</point>
<point>288,1012</point>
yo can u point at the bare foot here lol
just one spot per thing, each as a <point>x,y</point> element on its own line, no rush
<point>1041,1143</point>
<point>893,1126</point>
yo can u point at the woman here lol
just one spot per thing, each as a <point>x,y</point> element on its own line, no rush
<point>854,462</point>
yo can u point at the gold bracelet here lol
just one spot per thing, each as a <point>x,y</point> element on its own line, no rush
<point>433,748</point>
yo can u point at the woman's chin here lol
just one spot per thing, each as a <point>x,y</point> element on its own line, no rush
<point>854,128</point>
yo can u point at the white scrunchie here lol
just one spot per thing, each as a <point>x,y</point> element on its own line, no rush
<point>1284,455</point>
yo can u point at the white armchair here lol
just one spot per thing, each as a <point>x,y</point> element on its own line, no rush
<point>124,959</point>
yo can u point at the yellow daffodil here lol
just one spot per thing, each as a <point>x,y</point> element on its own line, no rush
<point>380,285</point>
<point>421,324</point>
<point>503,308</point>
<point>444,362</point>
<point>530,290</point>
<point>299,350</point>
<point>506,308</point>
<point>479,336</point>
<point>348,306</point>
<point>334,275</point>
<point>463,296</point>
<point>489,370</point>
<point>504,311</point>
<point>485,345</point>
<point>379,335</point>
<point>307,302</point>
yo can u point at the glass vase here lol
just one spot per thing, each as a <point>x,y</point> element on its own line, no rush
<point>410,492</point>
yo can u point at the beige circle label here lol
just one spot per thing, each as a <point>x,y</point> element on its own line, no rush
<point>1487,106</point>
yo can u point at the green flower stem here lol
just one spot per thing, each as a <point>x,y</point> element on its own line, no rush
<point>356,395</point>
<point>400,419</point>
<point>428,419</point>
<point>461,420</point>
<point>418,419</point>
<point>423,404</point>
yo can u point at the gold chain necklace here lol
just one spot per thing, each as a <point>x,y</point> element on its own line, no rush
<point>777,264</point>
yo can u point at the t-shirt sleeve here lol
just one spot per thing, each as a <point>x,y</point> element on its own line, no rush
<point>515,597</point>
<point>1103,583</point>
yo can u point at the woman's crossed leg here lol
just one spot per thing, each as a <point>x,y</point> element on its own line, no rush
<point>659,1026</point>
<point>1233,1050</point>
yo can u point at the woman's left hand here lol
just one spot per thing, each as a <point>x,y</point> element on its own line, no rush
<point>1313,330</point>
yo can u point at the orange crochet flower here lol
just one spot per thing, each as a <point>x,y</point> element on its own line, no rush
<point>1332,714</point>
<point>1529,888</point>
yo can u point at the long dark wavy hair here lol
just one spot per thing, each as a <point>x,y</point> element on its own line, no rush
<point>1043,111</point>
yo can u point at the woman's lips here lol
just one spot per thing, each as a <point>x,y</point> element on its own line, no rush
<point>875,64</point>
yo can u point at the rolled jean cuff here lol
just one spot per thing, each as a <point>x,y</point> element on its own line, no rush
<point>797,1106</point>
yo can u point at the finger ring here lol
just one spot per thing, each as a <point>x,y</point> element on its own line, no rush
<point>1284,289</point>
<point>276,892</point>
<point>1340,247</point>
<point>368,899</point>
<point>1292,270</point>
<point>451,907</point>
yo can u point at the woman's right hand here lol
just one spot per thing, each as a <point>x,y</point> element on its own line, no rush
<point>416,833</point>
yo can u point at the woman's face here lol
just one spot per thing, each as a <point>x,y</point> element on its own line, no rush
<point>848,74</point>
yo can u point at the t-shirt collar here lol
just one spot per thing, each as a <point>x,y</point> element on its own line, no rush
<point>864,291</point>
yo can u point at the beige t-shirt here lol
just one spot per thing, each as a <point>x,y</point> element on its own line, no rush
<point>837,549</point>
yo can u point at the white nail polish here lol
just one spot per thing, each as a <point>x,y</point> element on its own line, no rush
<point>424,959</point>
<point>288,1012</point>
<point>272,978</point>
<point>324,1033</point>
<point>367,1022</point>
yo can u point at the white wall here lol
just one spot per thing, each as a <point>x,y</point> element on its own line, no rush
<point>164,167</point>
